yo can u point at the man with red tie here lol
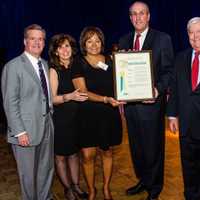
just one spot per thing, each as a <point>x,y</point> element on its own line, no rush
<point>145,120</point>
<point>184,109</point>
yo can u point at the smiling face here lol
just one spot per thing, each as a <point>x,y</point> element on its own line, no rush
<point>34,42</point>
<point>139,16</point>
<point>194,35</point>
<point>93,45</point>
<point>64,51</point>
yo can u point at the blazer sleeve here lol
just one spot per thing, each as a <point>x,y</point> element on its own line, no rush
<point>172,108</point>
<point>122,43</point>
<point>166,63</point>
<point>10,83</point>
<point>125,42</point>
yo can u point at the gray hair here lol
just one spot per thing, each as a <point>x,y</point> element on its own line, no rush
<point>194,20</point>
<point>33,27</point>
<point>140,2</point>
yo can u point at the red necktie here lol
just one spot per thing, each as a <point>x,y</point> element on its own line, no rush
<point>137,43</point>
<point>195,70</point>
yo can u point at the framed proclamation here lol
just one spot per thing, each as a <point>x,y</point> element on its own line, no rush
<point>133,76</point>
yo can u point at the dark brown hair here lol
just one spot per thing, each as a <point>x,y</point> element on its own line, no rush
<point>87,33</point>
<point>55,42</point>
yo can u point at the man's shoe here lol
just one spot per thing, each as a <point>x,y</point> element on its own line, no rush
<point>150,198</point>
<point>135,189</point>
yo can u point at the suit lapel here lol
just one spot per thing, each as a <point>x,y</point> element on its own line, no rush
<point>197,90</point>
<point>47,72</point>
<point>130,41</point>
<point>188,67</point>
<point>188,71</point>
<point>30,69</point>
<point>148,40</point>
<point>45,68</point>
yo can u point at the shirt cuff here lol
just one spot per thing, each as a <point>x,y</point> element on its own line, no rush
<point>171,117</point>
<point>22,133</point>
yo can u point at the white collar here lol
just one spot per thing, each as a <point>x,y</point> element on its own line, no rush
<point>144,33</point>
<point>33,59</point>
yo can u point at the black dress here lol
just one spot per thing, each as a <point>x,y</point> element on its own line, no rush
<point>100,123</point>
<point>65,117</point>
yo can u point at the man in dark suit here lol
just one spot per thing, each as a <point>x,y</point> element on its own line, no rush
<point>145,119</point>
<point>184,107</point>
<point>27,104</point>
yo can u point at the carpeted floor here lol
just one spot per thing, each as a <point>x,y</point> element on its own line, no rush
<point>123,175</point>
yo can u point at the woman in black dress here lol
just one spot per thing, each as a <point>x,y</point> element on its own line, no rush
<point>62,49</point>
<point>100,121</point>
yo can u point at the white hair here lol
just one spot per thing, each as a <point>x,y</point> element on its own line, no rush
<point>194,20</point>
<point>139,2</point>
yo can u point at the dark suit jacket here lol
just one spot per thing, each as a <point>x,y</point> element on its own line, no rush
<point>162,58</point>
<point>183,102</point>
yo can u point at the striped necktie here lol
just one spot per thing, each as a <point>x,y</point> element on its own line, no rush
<point>43,84</point>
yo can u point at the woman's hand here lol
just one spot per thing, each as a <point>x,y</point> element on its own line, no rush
<point>75,96</point>
<point>114,102</point>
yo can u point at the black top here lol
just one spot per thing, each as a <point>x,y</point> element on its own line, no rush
<point>100,123</point>
<point>65,117</point>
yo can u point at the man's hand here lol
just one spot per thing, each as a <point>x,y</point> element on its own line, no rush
<point>173,124</point>
<point>155,96</point>
<point>24,140</point>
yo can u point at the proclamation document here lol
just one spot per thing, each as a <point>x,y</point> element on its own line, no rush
<point>133,76</point>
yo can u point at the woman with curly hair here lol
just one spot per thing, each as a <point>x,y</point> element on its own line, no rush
<point>62,50</point>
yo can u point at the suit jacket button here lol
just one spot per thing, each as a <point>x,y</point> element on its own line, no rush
<point>43,115</point>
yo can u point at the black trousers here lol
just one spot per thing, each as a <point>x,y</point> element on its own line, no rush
<point>147,139</point>
<point>190,158</point>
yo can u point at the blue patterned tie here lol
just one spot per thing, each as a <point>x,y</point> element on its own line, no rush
<point>43,84</point>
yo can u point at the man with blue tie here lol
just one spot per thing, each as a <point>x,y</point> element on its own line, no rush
<point>184,109</point>
<point>27,104</point>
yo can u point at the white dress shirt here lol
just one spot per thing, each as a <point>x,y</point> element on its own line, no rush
<point>142,37</point>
